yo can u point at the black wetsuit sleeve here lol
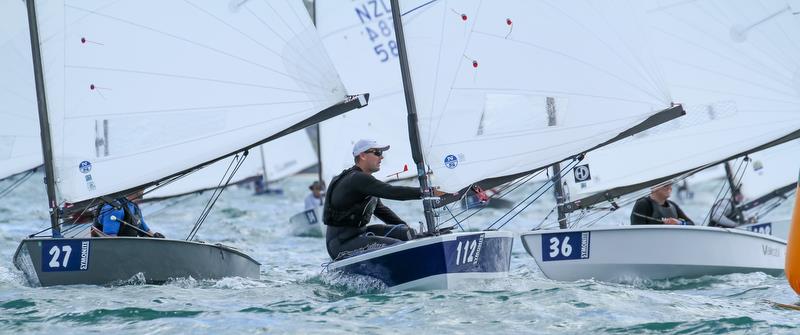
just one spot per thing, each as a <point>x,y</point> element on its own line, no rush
<point>386,215</point>
<point>682,215</point>
<point>642,207</point>
<point>368,185</point>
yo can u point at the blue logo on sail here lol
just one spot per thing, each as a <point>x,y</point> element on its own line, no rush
<point>85,167</point>
<point>451,161</point>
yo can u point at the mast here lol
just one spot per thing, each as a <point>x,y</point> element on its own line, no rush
<point>316,126</point>
<point>413,128</point>
<point>558,190</point>
<point>264,168</point>
<point>44,123</point>
<point>735,193</point>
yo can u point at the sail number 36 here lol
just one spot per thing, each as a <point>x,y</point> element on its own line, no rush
<point>564,246</point>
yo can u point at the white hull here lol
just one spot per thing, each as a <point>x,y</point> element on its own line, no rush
<point>307,223</point>
<point>629,253</point>
<point>778,228</point>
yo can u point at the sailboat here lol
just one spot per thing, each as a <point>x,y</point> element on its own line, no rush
<point>20,150</point>
<point>269,162</point>
<point>461,62</point>
<point>172,96</point>
<point>766,183</point>
<point>729,85</point>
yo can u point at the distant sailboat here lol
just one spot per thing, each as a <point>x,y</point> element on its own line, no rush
<point>129,97</point>
<point>266,163</point>
<point>740,99</point>
<point>464,59</point>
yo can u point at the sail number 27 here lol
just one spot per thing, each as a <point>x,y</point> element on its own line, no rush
<point>63,255</point>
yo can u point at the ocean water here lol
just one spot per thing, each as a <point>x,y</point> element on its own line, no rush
<point>293,295</point>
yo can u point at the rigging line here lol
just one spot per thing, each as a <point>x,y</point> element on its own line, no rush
<point>578,61</point>
<point>217,194</point>
<point>181,76</point>
<point>567,167</point>
<point>454,218</point>
<point>528,177</point>
<point>216,50</point>
<point>549,186</point>
<point>200,218</point>
<point>227,109</point>
<point>537,227</point>
<point>17,182</point>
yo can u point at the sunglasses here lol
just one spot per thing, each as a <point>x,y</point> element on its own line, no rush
<point>375,152</point>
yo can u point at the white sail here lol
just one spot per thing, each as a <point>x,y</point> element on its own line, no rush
<point>482,73</point>
<point>735,73</point>
<point>359,37</point>
<point>770,170</point>
<point>282,157</point>
<point>140,90</point>
<point>20,146</point>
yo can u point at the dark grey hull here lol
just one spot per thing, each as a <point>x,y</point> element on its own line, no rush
<point>103,261</point>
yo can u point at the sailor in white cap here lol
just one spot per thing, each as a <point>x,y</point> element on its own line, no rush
<point>353,197</point>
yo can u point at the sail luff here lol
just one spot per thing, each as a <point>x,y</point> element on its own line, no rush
<point>44,122</point>
<point>413,127</point>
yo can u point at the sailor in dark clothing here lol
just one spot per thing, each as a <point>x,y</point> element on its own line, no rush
<point>121,217</point>
<point>656,208</point>
<point>354,196</point>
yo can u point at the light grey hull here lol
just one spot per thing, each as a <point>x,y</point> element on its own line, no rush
<point>651,252</point>
<point>102,261</point>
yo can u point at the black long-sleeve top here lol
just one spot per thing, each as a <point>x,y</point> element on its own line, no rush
<point>353,188</point>
<point>644,206</point>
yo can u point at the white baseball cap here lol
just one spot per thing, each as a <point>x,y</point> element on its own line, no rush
<point>364,145</point>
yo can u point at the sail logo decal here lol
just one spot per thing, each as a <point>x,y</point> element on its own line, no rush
<point>565,246</point>
<point>770,251</point>
<point>582,173</point>
<point>65,255</point>
<point>451,161</point>
<point>85,167</point>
